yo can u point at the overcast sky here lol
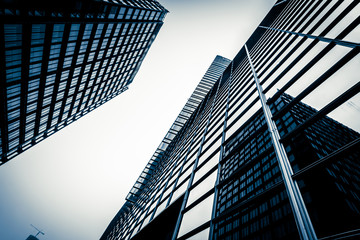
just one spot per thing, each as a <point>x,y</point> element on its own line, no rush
<point>72,184</point>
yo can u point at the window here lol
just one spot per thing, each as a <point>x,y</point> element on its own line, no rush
<point>52,66</point>
<point>74,32</point>
<point>12,35</point>
<point>13,57</point>
<point>32,96</point>
<point>34,69</point>
<point>54,51</point>
<point>87,31</point>
<point>38,34</point>
<point>83,46</point>
<point>33,84</point>
<point>80,59</point>
<point>67,62</point>
<point>36,54</point>
<point>113,11</point>
<point>129,12</point>
<point>70,48</point>
<point>57,33</point>
<point>13,74</point>
<point>99,30</point>
<point>121,13</point>
<point>13,90</point>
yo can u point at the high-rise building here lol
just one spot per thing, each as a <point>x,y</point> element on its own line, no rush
<point>62,59</point>
<point>272,151</point>
<point>207,82</point>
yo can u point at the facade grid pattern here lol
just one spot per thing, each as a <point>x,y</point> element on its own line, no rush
<point>63,60</point>
<point>272,151</point>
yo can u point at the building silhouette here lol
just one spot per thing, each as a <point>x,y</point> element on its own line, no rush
<point>62,59</point>
<point>272,150</point>
<point>32,237</point>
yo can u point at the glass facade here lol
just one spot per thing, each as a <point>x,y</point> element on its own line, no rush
<point>61,60</point>
<point>272,150</point>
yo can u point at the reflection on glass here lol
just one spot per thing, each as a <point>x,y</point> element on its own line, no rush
<point>320,139</point>
<point>267,217</point>
<point>196,216</point>
<point>208,165</point>
<point>200,236</point>
<point>179,191</point>
<point>332,194</point>
<point>161,207</point>
<point>202,188</point>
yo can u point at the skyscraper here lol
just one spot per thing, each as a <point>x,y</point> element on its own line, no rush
<point>272,151</point>
<point>207,82</point>
<point>62,59</point>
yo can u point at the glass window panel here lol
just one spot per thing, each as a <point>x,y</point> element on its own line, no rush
<point>36,54</point>
<point>13,57</point>
<point>13,103</point>
<point>87,31</point>
<point>202,188</point>
<point>74,32</point>
<point>13,74</point>
<point>204,234</point>
<point>231,129</point>
<point>196,216</point>
<point>55,51</point>
<point>181,190</point>
<point>129,12</point>
<point>336,184</point>
<point>186,173</point>
<point>204,169</point>
<point>269,217</point>
<point>38,34</point>
<point>121,13</point>
<point>58,32</point>
<point>14,125</point>
<point>334,86</point>
<point>161,207</point>
<point>12,35</point>
<point>13,90</point>
<point>34,69</point>
<point>99,30</point>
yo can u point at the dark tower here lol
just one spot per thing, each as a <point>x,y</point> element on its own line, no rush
<point>62,59</point>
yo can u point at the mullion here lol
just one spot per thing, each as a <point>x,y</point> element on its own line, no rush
<point>101,61</point>
<point>58,77</point>
<point>267,50</point>
<point>351,147</point>
<point>335,67</point>
<point>308,48</point>
<point>111,55</point>
<point>92,101</point>
<point>108,81</point>
<point>25,51</point>
<point>325,110</point>
<point>3,110</point>
<point>47,44</point>
<point>269,43</point>
<point>289,13</point>
<point>68,85</point>
<point>290,42</point>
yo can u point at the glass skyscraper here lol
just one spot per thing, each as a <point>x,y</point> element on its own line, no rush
<point>272,150</point>
<point>60,60</point>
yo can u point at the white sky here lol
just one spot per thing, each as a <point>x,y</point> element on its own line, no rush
<point>72,184</point>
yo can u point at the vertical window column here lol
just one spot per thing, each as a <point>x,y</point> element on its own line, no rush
<point>216,190</point>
